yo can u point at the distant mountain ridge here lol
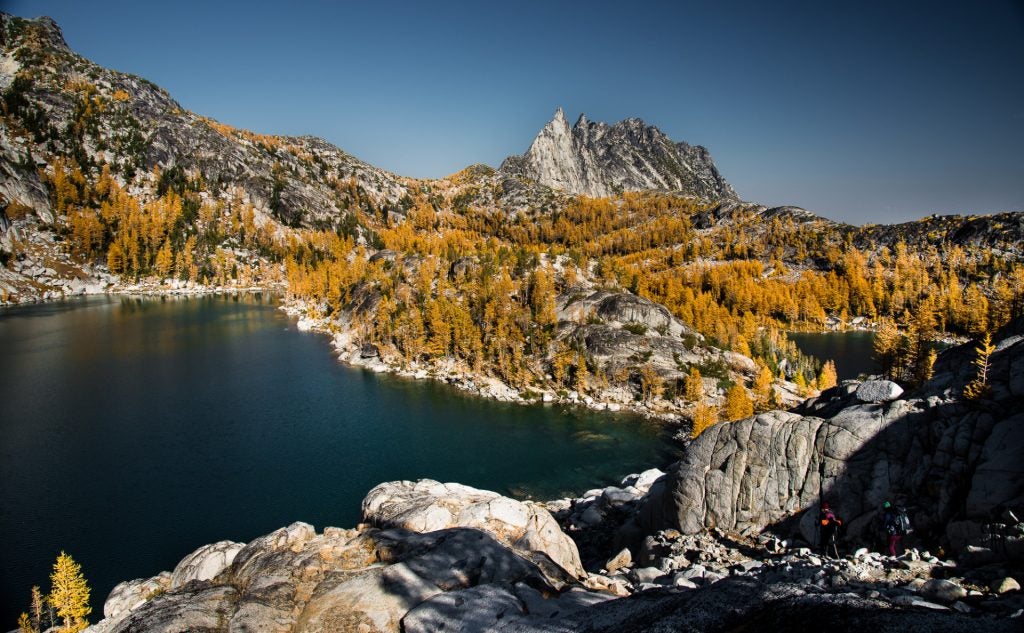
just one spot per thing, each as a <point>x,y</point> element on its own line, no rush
<point>600,160</point>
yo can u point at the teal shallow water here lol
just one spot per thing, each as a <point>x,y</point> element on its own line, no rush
<point>134,430</point>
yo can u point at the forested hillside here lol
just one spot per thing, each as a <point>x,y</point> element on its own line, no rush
<point>663,300</point>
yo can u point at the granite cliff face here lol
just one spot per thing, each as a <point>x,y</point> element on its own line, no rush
<point>597,159</point>
<point>954,463</point>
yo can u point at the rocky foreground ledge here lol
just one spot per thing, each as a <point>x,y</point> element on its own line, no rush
<point>721,542</point>
<point>447,557</point>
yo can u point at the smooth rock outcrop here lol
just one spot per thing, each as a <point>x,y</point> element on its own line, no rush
<point>620,560</point>
<point>620,331</point>
<point>1005,585</point>
<point>878,391</point>
<point>428,505</point>
<point>205,563</point>
<point>132,594</point>
<point>342,580</point>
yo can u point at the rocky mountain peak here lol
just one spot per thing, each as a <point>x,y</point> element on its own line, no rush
<point>555,149</point>
<point>596,159</point>
<point>42,31</point>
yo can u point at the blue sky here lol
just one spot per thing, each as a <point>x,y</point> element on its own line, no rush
<point>863,112</point>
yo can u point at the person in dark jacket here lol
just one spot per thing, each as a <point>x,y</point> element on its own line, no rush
<point>828,530</point>
<point>892,527</point>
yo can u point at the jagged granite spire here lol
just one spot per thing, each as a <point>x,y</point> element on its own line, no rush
<point>554,151</point>
<point>596,159</point>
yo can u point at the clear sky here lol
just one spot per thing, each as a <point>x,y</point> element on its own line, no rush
<point>873,111</point>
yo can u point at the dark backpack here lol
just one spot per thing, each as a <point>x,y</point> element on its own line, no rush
<point>903,522</point>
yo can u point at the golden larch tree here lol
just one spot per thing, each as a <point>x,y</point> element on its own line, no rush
<point>886,347</point>
<point>693,386</point>
<point>827,378</point>
<point>979,386</point>
<point>69,593</point>
<point>164,260</point>
<point>651,384</point>
<point>763,387</point>
<point>704,416</point>
<point>737,404</point>
<point>542,297</point>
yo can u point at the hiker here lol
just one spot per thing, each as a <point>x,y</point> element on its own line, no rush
<point>828,529</point>
<point>896,525</point>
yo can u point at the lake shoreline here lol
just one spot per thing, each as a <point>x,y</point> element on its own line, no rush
<point>462,378</point>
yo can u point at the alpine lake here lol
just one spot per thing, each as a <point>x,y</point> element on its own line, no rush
<point>135,429</point>
<point>851,350</point>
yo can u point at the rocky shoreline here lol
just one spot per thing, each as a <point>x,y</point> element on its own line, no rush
<point>50,285</point>
<point>460,376</point>
<point>431,557</point>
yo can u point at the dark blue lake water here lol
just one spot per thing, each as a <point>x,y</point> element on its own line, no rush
<point>851,351</point>
<point>134,430</point>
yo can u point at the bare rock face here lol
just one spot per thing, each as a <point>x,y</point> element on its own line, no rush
<point>942,457</point>
<point>205,563</point>
<point>428,505</point>
<point>621,331</point>
<point>943,590</point>
<point>878,391</point>
<point>342,580</point>
<point>132,594</point>
<point>473,610</point>
<point>597,159</point>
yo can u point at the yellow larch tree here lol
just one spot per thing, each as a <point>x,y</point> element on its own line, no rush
<point>164,260</point>
<point>704,416</point>
<point>69,593</point>
<point>886,347</point>
<point>827,378</point>
<point>693,386</point>
<point>763,388</point>
<point>651,384</point>
<point>979,386</point>
<point>737,404</point>
<point>542,297</point>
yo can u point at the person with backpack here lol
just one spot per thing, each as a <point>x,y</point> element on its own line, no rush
<point>828,529</point>
<point>896,524</point>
